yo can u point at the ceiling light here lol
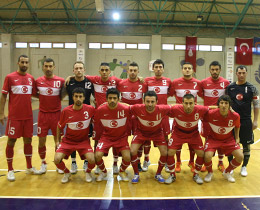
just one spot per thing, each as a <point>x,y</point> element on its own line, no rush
<point>116,16</point>
<point>199,18</point>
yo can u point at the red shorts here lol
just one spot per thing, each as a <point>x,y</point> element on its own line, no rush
<point>138,138</point>
<point>19,128</point>
<point>226,146</point>
<point>82,147</point>
<point>166,126</point>
<point>133,124</point>
<point>46,121</point>
<point>104,144</point>
<point>176,142</point>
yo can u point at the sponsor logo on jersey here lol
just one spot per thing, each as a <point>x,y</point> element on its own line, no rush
<point>239,97</point>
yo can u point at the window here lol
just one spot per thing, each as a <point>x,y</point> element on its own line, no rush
<point>131,46</point>
<point>58,45</point>
<point>204,47</point>
<point>107,45</point>
<point>168,46</point>
<point>1,45</point>
<point>45,45</point>
<point>143,46</point>
<point>94,45</point>
<point>71,45</point>
<point>21,45</point>
<point>217,48</point>
<point>34,45</point>
<point>119,46</point>
<point>180,47</point>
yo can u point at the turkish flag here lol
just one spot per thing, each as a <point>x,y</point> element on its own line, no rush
<point>244,53</point>
<point>190,52</point>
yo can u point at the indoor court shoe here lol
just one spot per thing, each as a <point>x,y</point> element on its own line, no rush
<point>59,171</point>
<point>140,167</point>
<point>65,178</point>
<point>74,168</point>
<point>101,176</point>
<point>32,171</point>
<point>85,165</point>
<point>208,177</point>
<point>159,178</point>
<point>146,165</point>
<point>170,179</point>
<point>178,167</point>
<point>115,169</point>
<point>97,170</point>
<point>229,177</point>
<point>88,177</point>
<point>136,179</point>
<point>167,169</point>
<point>198,179</point>
<point>123,176</point>
<point>221,167</point>
<point>192,166</point>
<point>243,171</point>
<point>43,169</point>
<point>10,176</point>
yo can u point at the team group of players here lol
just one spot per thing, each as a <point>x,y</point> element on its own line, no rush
<point>142,112</point>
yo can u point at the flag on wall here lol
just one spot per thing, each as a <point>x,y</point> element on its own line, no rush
<point>244,53</point>
<point>256,45</point>
<point>190,52</point>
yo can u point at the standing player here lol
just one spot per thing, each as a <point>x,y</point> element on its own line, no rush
<point>77,118</point>
<point>149,127</point>
<point>49,89</point>
<point>112,118</point>
<point>185,130</point>
<point>222,122</point>
<point>161,86</point>
<point>242,94</point>
<point>213,87</point>
<point>20,86</point>
<point>180,87</point>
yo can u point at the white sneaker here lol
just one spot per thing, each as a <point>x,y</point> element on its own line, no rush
<point>243,171</point>
<point>43,169</point>
<point>208,177</point>
<point>101,176</point>
<point>59,171</point>
<point>115,169</point>
<point>198,179</point>
<point>97,170</point>
<point>65,178</point>
<point>32,171</point>
<point>124,176</point>
<point>167,169</point>
<point>10,176</point>
<point>145,165</point>
<point>89,177</point>
<point>74,168</point>
<point>170,179</point>
<point>229,177</point>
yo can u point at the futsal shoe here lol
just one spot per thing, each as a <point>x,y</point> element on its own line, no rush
<point>136,179</point>
<point>115,169</point>
<point>32,171</point>
<point>101,176</point>
<point>243,171</point>
<point>229,177</point>
<point>10,176</point>
<point>192,166</point>
<point>170,179</point>
<point>65,178</point>
<point>198,179</point>
<point>159,178</point>
<point>178,167</point>
<point>221,167</point>
<point>123,176</point>
<point>89,177</point>
<point>43,168</point>
<point>74,168</point>
<point>208,177</point>
<point>146,165</point>
<point>140,167</point>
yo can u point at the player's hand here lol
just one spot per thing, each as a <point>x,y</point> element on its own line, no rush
<point>255,125</point>
<point>2,118</point>
<point>232,110</point>
<point>67,80</point>
<point>141,79</point>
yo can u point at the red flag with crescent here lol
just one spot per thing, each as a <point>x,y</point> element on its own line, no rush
<point>190,52</point>
<point>244,53</point>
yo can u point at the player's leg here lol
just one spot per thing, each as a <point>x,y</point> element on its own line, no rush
<point>198,164</point>
<point>161,162</point>
<point>178,163</point>
<point>139,155</point>
<point>97,170</point>
<point>74,167</point>
<point>171,165</point>
<point>100,163</point>
<point>134,159</point>
<point>126,159</point>
<point>147,148</point>
<point>115,157</point>
<point>9,151</point>
<point>221,155</point>
<point>90,157</point>
<point>58,161</point>
<point>42,154</point>
<point>246,152</point>
<point>208,164</point>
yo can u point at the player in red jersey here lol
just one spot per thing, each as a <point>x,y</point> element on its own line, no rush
<point>185,130</point>
<point>222,123</point>
<point>76,118</point>
<point>180,87</point>
<point>111,118</point>
<point>213,87</point>
<point>161,85</point>
<point>20,86</point>
<point>149,127</point>
<point>49,89</point>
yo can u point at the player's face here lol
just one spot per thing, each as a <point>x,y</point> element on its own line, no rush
<point>112,101</point>
<point>215,71</point>
<point>158,70</point>
<point>48,68</point>
<point>104,72</point>
<point>188,105</point>
<point>78,99</point>
<point>150,103</point>
<point>79,70</point>
<point>23,64</point>
<point>187,70</point>
<point>224,107</point>
<point>132,72</point>
<point>241,75</point>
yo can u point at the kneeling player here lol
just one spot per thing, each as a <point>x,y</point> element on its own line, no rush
<point>77,117</point>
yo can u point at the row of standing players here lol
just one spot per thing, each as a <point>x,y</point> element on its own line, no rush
<point>21,86</point>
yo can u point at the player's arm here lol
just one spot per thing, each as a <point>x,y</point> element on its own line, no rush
<point>2,108</point>
<point>67,80</point>
<point>236,132</point>
<point>63,92</point>
<point>213,107</point>
<point>256,106</point>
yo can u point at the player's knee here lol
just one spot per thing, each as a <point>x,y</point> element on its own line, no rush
<point>207,157</point>
<point>239,156</point>
<point>171,152</point>
<point>91,159</point>
<point>57,160</point>
<point>11,142</point>
<point>133,151</point>
<point>127,157</point>
<point>200,153</point>
<point>98,156</point>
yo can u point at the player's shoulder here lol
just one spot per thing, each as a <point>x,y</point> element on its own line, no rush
<point>204,81</point>
<point>175,81</point>
<point>88,107</point>
<point>213,111</point>
<point>148,79</point>
<point>234,115</point>
<point>166,78</point>
<point>39,79</point>
<point>68,108</point>
<point>195,80</point>
<point>137,106</point>
<point>222,79</point>
<point>233,84</point>
<point>58,78</point>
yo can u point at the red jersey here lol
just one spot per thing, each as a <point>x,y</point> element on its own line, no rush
<point>181,87</point>
<point>150,124</point>
<point>187,123</point>
<point>20,88</point>
<point>213,89</point>
<point>111,123</point>
<point>101,87</point>
<point>49,93</point>
<point>77,122</point>
<point>160,86</point>
<point>132,92</point>
<point>221,127</point>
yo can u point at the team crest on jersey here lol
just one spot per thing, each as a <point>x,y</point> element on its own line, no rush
<point>150,123</point>
<point>187,92</point>
<point>104,89</point>
<point>157,89</point>
<point>222,130</point>
<point>49,91</point>
<point>113,123</point>
<point>80,125</point>
<point>215,93</point>
<point>239,97</point>
<point>24,89</point>
<point>132,95</point>
<point>188,124</point>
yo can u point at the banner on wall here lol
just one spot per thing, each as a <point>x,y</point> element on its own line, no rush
<point>190,52</point>
<point>256,46</point>
<point>244,53</point>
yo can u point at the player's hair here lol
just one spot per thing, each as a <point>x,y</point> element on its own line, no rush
<point>215,63</point>
<point>186,62</point>
<point>49,60</point>
<point>78,90</point>
<point>22,56</point>
<point>113,91</point>
<point>225,98</point>
<point>241,67</point>
<point>188,96</point>
<point>80,62</point>
<point>133,64</point>
<point>158,61</point>
<point>151,93</point>
<point>104,64</point>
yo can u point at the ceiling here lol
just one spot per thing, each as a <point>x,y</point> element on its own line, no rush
<point>166,17</point>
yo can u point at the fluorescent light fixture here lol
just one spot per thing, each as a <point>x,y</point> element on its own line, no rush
<point>131,46</point>
<point>180,47</point>
<point>94,45</point>
<point>119,46</point>
<point>99,6</point>
<point>168,46</point>
<point>70,45</point>
<point>143,46</point>
<point>217,48</point>
<point>1,45</point>
<point>34,45</point>
<point>58,45</point>
<point>107,46</point>
<point>116,16</point>
<point>204,47</point>
<point>45,45</point>
<point>21,45</point>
